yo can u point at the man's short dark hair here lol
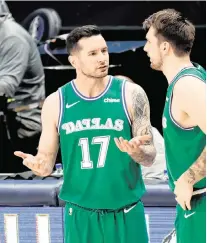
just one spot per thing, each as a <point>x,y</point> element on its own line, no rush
<point>78,33</point>
<point>172,26</point>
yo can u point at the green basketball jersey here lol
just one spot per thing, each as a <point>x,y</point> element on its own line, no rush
<point>96,173</point>
<point>183,145</point>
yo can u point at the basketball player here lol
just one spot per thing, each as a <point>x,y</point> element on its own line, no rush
<point>94,115</point>
<point>170,38</point>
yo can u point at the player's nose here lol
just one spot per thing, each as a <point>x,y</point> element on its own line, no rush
<point>145,48</point>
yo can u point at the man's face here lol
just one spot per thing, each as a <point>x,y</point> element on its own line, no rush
<point>93,57</point>
<point>152,48</point>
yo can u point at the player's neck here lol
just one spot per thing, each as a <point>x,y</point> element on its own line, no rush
<point>91,87</point>
<point>174,65</point>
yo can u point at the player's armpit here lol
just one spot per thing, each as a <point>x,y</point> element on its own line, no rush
<point>139,109</point>
<point>192,100</point>
<point>49,140</point>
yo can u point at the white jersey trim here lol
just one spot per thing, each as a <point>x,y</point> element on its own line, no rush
<point>61,109</point>
<point>93,98</point>
<point>183,69</point>
<point>124,101</point>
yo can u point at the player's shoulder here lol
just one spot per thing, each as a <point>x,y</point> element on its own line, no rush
<point>52,100</point>
<point>188,84</point>
<point>190,80</point>
<point>51,108</point>
<point>135,96</point>
<point>123,78</point>
<point>134,88</point>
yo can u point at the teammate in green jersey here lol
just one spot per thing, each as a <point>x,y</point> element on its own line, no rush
<point>170,38</point>
<point>105,134</point>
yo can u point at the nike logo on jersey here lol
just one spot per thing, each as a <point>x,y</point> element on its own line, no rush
<point>110,100</point>
<point>129,209</point>
<point>189,215</point>
<point>69,106</point>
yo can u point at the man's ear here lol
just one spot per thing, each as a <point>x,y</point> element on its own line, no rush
<point>72,60</point>
<point>165,47</point>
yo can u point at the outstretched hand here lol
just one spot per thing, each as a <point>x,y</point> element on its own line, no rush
<point>30,161</point>
<point>133,145</point>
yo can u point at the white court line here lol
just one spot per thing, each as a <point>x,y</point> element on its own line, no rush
<point>43,228</point>
<point>11,228</point>
<point>148,227</point>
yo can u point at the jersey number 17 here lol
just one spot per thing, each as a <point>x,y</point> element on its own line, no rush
<point>86,162</point>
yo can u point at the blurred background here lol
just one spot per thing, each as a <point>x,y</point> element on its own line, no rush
<point>120,21</point>
<point>48,22</point>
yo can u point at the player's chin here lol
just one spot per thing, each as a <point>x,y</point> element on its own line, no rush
<point>155,67</point>
<point>102,74</point>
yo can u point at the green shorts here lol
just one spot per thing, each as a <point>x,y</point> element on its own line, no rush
<point>191,224</point>
<point>126,225</point>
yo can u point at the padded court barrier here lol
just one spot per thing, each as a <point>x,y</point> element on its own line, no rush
<point>45,193</point>
<point>158,194</point>
<point>28,193</point>
<point>34,207</point>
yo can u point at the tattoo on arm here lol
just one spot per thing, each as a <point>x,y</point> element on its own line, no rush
<point>47,159</point>
<point>141,126</point>
<point>198,170</point>
<point>46,155</point>
<point>141,123</point>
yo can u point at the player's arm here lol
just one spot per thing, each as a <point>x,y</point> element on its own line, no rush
<point>197,171</point>
<point>49,140</point>
<point>140,147</point>
<point>43,162</point>
<point>139,110</point>
<point>192,101</point>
